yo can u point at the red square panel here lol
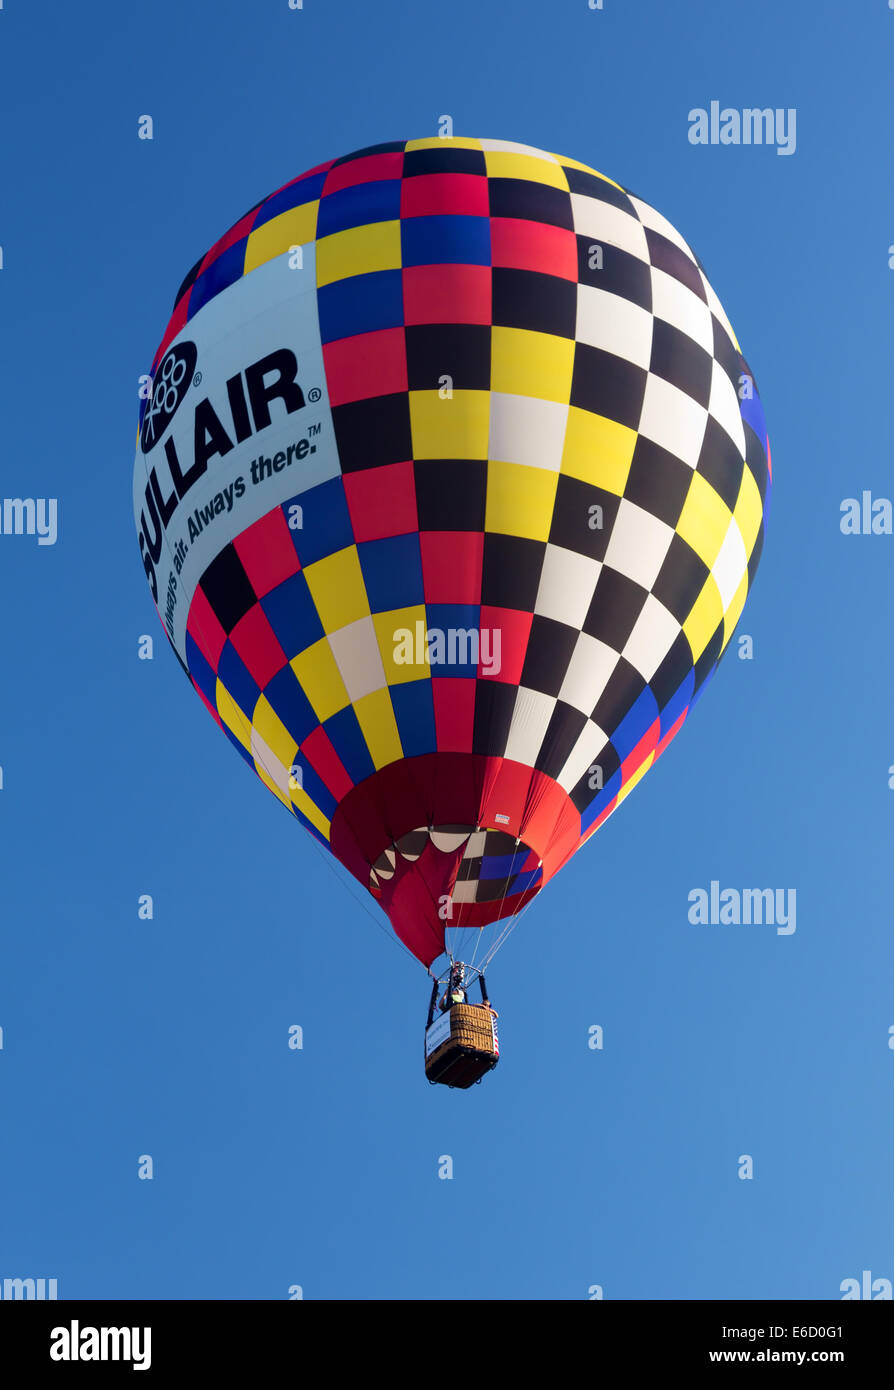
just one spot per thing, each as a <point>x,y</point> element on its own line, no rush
<point>382,501</point>
<point>370,167</point>
<point>204,628</point>
<point>428,195</point>
<point>267,553</point>
<point>451,566</point>
<point>255,641</point>
<point>514,629</point>
<point>454,702</point>
<point>366,365</point>
<point>522,245</point>
<point>324,760</point>
<point>447,294</point>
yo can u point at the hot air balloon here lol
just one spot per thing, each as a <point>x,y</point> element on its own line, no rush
<point>450,486</point>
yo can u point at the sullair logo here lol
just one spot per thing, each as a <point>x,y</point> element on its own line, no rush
<point>249,394</point>
<point>172,381</point>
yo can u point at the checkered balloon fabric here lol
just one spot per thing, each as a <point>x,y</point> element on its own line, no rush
<point>450,486</point>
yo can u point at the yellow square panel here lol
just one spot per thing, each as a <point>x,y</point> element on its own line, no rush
<point>512,164</point>
<point>401,620</point>
<point>450,429</point>
<point>296,227</point>
<point>438,142</point>
<point>749,510</point>
<point>526,363</point>
<point>704,520</point>
<point>274,733</point>
<point>704,619</point>
<point>734,612</point>
<point>320,679</point>
<point>598,450</point>
<point>520,499</point>
<point>237,722</point>
<point>337,589</point>
<point>358,251</point>
<point>375,716</point>
<point>309,808</point>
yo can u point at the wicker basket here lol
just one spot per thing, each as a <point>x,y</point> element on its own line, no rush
<point>464,1057</point>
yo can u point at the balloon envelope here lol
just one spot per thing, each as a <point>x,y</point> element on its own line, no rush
<point>450,488</point>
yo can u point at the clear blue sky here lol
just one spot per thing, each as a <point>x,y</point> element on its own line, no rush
<point>123,1037</point>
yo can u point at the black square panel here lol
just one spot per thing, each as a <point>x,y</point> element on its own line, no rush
<point>672,672</point>
<point>494,707</point>
<point>666,255</point>
<point>583,795</point>
<point>720,463</point>
<point>625,685</point>
<point>561,735</point>
<point>371,433</point>
<point>679,359</point>
<point>458,350</point>
<point>608,385</point>
<point>550,647</point>
<point>451,494</point>
<point>533,202</point>
<point>574,516</point>
<point>228,588</point>
<point>620,273</point>
<point>540,303</point>
<point>614,608</point>
<point>680,579</point>
<point>726,354</point>
<point>658,481</point>
<point>444,159</point>
<point>579,181</point>
<point>511,573</point>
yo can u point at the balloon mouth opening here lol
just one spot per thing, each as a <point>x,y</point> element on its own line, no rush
<point>488,868</point>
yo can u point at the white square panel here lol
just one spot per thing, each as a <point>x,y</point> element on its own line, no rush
<point>615,324</point>
<point>638,544</point>
<point>358,658</point>
<point>567,581</point>
<point>608,225</point>
<point>268,760</point>
<point>526,430</point>
<point>731,564</point>
<point>676,304</point>
<point>530,721</point>
<point>673,419</point>
<point>653,635</point>
<point>724,406</point>
<point>510,147</point>
<point>589,669</point>
<point>586,752</point>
